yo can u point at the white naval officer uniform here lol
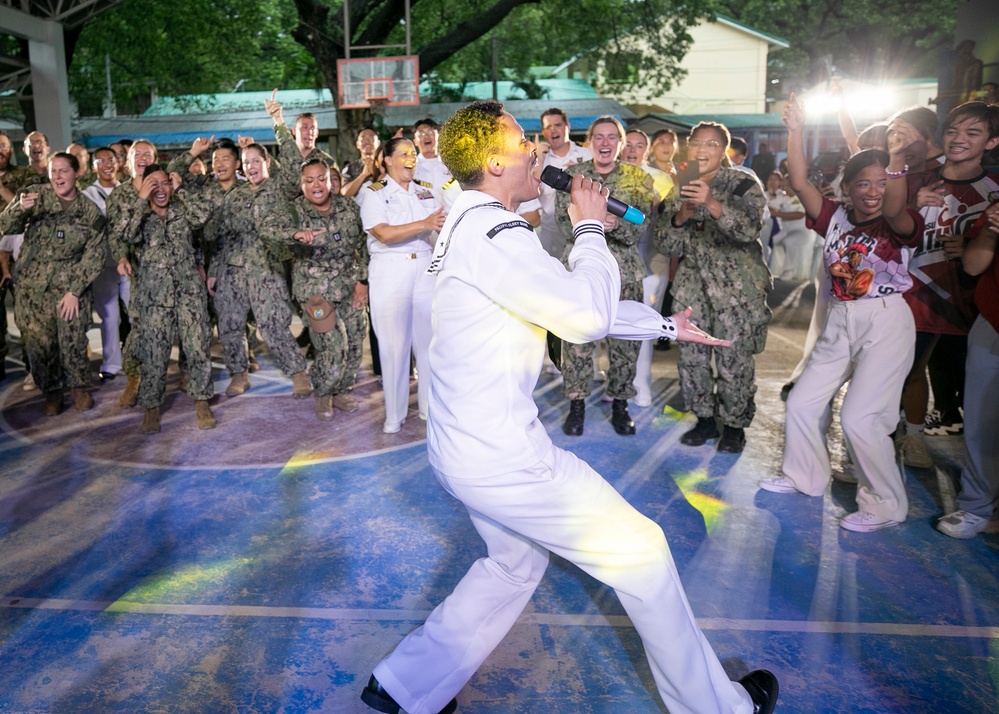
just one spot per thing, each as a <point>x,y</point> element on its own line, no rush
<point>495,296</point>
<point>400,291</point>
<point>432,170</point>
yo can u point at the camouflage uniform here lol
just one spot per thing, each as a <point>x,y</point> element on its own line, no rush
<point>63,251</point>
<point>633,186</point>
<point>11,180</point>
<point>210,195</point>
<point>23,177</point>
<point>248,274</point>
<point>724,278</point>
<point>291,155</point>
<point>118,208</point>
<point>171,298</point>
<point>15,177</point>
<point>88,177</point>
<point>330,267</point>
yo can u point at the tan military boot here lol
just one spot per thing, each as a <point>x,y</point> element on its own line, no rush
<point>239,383</point>
<point>324,407</point>
<point>82,401</point>
<point>151,421</point>
<point>300,387</point>
<point>204,412</point>
<point>130,396</point>
<point>53,403</point>
<point>345,403</point>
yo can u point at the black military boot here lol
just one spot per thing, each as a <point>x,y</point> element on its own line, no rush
<point>706,429</point>
<point>573,425</point>
<point>733,440</point>
<point>621,419</point>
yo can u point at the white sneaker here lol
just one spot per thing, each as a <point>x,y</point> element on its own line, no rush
<point>961,524</point>
<point>864,522</point>
<point>778,484</point>
<point>913,452</point>
<point>392,428</point>
<point>29,383</point>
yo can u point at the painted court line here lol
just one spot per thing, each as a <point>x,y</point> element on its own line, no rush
<point>344,614</point>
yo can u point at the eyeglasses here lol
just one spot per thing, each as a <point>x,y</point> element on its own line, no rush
<point>697,143</point>
<point>106,160</point>
<point>426,132</point>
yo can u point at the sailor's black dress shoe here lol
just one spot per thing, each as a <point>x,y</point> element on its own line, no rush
<point>375,696</point>
<point>763,689</point>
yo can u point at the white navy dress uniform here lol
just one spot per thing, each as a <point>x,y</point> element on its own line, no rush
<point>400,290</point>
<point>496,293</point>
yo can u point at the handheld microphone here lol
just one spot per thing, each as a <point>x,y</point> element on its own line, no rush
<point>561,181</point>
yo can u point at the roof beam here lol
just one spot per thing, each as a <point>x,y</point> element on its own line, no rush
<point>21,24</point>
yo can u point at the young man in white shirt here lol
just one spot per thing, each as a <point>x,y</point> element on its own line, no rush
<point>557,150</point>
<point>109,286</point>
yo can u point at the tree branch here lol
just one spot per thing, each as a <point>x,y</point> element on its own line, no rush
<point>472,29</point>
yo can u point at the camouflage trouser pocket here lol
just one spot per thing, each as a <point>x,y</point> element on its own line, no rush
<point>758,337</point>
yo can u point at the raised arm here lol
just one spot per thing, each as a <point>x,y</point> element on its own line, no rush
<point>901,135</point>
<point>847,127</point>
<point>797,164</point>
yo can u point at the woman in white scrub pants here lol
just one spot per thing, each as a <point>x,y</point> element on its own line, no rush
<point>401,216</point>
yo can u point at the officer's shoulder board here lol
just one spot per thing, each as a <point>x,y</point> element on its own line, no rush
<point>425,184</point>
<point>449,184</point>
<point>377,186</point>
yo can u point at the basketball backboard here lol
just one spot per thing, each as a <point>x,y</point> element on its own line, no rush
<point>391,81</point>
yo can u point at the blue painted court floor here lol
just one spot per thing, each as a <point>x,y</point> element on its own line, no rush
<point>267,565</point>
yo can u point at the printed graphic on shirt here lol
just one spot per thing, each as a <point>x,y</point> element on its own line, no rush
<point>942,295</point>
<point>865,260</point>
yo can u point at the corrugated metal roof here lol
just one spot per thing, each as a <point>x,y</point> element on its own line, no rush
<point>734,122</point>
<point>296,99</point>
<point>179,130</point>
<point>559,90</point>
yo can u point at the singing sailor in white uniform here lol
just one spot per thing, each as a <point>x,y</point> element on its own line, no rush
<point>496,294</point>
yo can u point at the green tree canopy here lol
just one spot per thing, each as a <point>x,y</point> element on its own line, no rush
<point>869,40</point>
<point>203,46</point>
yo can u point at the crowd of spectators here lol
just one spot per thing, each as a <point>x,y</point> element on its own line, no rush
<point>234,239</point>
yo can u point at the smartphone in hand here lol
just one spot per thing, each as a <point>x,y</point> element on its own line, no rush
<point>687,172</point>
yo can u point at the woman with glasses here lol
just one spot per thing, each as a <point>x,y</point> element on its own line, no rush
<point>401,216</point>
<point>868,337</point>
<point>714,223</point>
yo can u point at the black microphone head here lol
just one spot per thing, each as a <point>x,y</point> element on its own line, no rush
<point>556,178</point>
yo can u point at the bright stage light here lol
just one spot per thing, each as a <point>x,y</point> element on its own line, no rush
<point>867,102</point>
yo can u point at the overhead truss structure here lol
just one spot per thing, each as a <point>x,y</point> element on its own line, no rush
<point>16,18</point>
